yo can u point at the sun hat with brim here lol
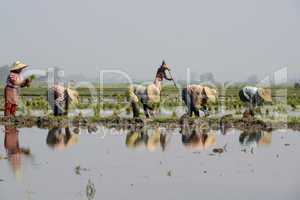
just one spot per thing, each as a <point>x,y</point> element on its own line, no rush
<point>18,65</point>
<point>73,95</point>
<point>211,94</point>
<point>265,94</point>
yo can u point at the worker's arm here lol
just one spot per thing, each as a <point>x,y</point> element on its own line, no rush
<point>67,101</point>
<point>20,82</point>
<point>166,77</point>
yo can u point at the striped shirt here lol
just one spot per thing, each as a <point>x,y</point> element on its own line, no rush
<point>12,90</point>
<point>11,80</point>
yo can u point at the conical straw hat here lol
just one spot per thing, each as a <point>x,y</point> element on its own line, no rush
<point>73,94</point>
<point>18,65</point>
<point>211,94</point>
<point>265,94</point>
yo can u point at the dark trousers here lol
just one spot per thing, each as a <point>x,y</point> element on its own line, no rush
<point>188,100</point>
<point>59,108</point>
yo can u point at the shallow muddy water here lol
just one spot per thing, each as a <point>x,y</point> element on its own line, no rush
<point>152,163</point>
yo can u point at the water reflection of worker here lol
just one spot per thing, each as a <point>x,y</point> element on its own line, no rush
<point>198,139</point>
<point>255,138</point>
<point>14,151</point>
<point>61,138</point>
<point>254,97</point>
<point>150,138</point>
<point>226,124</point>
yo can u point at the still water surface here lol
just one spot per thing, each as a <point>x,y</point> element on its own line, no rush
<point>153,163</point>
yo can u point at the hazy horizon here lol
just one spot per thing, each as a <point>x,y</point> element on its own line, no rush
<point>232,39</point>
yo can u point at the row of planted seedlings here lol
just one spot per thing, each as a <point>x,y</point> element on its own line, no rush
<point>171,100</point>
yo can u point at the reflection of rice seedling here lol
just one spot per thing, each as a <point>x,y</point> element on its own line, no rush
<point>90,190</point>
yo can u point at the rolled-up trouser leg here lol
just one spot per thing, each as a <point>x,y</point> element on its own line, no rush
<point>195,111</point>
<point>187,100</point>
<point>249,105</point>
<point>57,110</point>
<point>10,109</point>
<point>146,110</point>
<point>135,109</point>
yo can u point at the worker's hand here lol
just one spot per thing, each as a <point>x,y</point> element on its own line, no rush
<point>28,82</point>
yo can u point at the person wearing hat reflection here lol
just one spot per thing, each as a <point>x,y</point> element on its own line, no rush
<point>61,138</point>
<point>150,138</point>
<point>255,138</point>
<point>14,151</point>
<point>12,89</point>
<point>199,139</point>
<point>60,97</point>
<point>254,97</point>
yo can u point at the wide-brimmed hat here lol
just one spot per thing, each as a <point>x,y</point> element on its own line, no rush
<point>73,95</point>
<point>18,65</point>
<point>265,94</point>
<point>211,94</point>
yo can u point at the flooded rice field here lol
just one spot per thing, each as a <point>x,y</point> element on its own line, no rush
<point>148,163</point>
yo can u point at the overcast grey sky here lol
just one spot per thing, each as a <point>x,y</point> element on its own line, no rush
<point>232,38</point>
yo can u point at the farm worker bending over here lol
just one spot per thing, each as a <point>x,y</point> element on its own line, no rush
<point>60,98</point>
<point>196,98</point>
<point>254,97</point>
<point>12,89</point>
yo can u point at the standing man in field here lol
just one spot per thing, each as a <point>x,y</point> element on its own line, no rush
<point>12,89</point>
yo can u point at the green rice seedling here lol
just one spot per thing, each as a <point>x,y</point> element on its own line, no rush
<point>96,110</point>
<point>174,114</point>
<point>128,110</point>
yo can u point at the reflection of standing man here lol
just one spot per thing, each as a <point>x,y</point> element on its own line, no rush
<point>14,151</point>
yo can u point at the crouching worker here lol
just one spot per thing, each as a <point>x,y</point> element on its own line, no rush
<point>12,89</point>
<point>254,97</point>
<point>60,98</point>
<point>196,98</point>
